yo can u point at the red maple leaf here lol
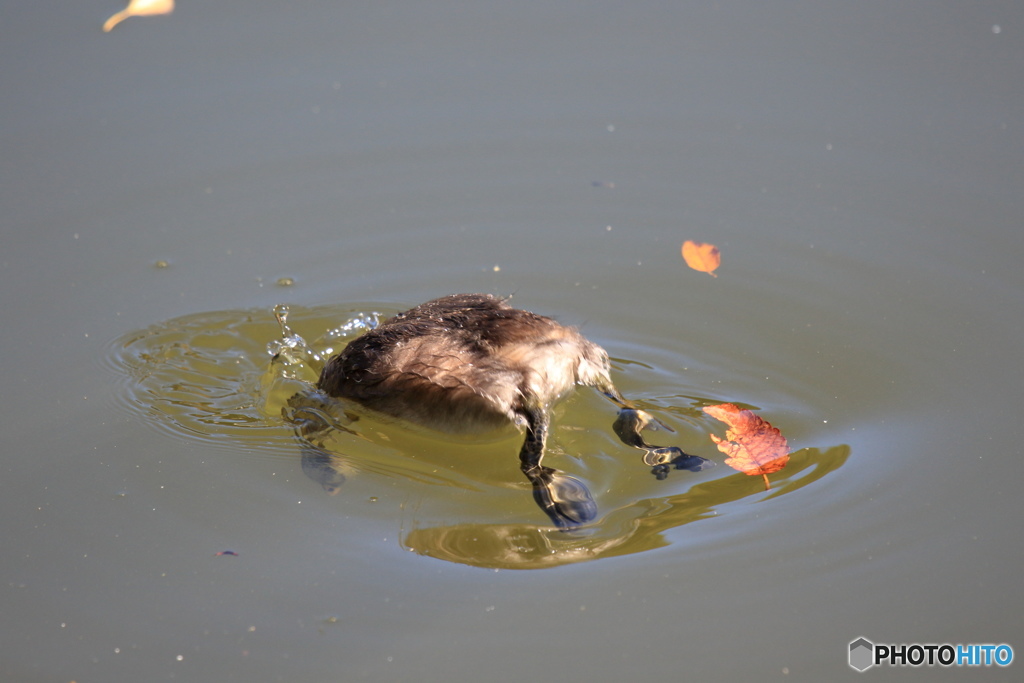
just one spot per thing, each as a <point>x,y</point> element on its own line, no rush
<point>752,444</point>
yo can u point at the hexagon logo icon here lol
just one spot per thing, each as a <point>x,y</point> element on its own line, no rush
<point>862,653</point>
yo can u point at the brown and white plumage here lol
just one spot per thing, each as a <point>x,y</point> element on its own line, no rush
<point>471,363</point>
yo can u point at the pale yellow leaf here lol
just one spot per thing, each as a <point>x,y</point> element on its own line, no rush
<point>139,8</point>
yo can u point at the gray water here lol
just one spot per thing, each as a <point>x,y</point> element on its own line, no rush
<point>860,166</point>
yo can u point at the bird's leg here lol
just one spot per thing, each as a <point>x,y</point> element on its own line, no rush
<point>629,424</point>
<point>312,421</point>
<point>565,499</point>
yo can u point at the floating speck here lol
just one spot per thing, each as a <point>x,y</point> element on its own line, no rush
<point>285,282</point>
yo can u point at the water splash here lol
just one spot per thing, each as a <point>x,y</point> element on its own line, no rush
<point>291,349</point>
<point>216,377</point>
<point>363,322</point>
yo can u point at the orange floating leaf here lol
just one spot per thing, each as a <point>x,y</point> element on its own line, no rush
<point>752,444</point>
<point>702,256</point>
<point>139,8</point>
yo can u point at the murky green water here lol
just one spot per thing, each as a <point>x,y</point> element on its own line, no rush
<point>859,166</point>
<point>229,377</point>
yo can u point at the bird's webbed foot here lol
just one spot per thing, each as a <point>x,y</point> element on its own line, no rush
<point>313,419</point>
<point>662,459</point>
<point>323,468</point>
<point>565,499</point>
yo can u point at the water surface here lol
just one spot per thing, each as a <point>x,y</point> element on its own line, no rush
<point>232,378</point>
<point>859,166</point>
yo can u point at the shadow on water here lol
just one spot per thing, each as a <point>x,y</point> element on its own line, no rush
<point>245,379</point>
